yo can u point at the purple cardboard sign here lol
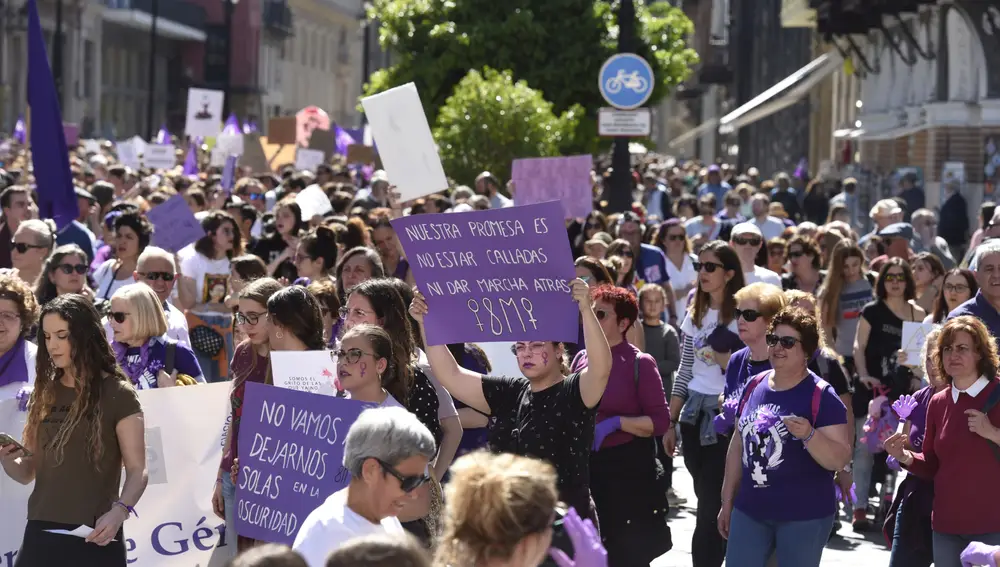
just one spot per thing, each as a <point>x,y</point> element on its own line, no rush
<point>493,276</point>
<point>563,179</point>
<point>175,224</point>
<point>291,451</point>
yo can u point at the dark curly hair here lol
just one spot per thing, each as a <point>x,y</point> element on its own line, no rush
<point>13,289</point>
<point>143,228</point>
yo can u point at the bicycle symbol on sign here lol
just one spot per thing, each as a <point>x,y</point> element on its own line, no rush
<point>631,81</point>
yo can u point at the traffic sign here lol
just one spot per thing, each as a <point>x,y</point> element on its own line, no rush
<point>626,81</point>
<point>624,123</point>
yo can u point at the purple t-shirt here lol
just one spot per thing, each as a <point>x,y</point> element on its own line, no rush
<point>781,481</point>
<point>741,369</point>
<point>918,417</point>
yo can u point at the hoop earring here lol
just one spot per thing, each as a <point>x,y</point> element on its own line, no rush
<point>279,334</point>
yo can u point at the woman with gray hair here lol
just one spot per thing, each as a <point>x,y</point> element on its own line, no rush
<point>387,452</point>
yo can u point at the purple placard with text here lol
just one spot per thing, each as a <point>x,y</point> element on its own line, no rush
<point>563,179</point>
<point>72,133</point>
<point>291,453</point>
<point>493,276</point>
<point>175,224</point>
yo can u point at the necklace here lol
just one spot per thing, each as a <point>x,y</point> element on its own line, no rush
<point>133,370</point>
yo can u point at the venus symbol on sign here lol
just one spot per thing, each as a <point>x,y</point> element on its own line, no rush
<point>504,308</point>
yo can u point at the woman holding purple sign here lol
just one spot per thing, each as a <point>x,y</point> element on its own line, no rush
<point>791,435</point>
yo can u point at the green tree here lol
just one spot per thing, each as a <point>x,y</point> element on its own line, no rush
<point>557,46</point>
<point>491,120</point>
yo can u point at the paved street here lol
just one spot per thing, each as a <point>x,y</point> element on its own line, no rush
<point>845,549</point>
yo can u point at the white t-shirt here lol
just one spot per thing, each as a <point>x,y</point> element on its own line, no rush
<point>333,524</point>
<point>770,227</point>
<point>211,278</point>
<point>104,279</point>
<point>679,278</point>
<point>707,376</point>
<point>764,275</point>
<point>10,390</point>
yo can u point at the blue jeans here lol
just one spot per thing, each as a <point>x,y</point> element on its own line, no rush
<point>903,555</point>
<point>229,497</point>
<point>863,463</point>
<point>752,542</point>
<point>948,548</point>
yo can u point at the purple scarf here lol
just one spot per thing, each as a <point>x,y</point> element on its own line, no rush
<point>136,370</point>
<point>13,366</point>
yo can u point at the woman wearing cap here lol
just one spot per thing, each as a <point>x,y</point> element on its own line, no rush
<point>884,213</point>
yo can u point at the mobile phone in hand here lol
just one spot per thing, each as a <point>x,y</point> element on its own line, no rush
<point>8,440</point>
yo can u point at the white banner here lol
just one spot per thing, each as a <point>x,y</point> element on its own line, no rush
<point>176,526</point>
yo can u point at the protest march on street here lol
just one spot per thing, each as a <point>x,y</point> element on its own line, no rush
<point>307,343</point>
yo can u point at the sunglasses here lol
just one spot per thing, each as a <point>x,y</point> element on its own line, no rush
<point>351,355</point>
<point>785,342</point>
<point>248,318</point>
<point>155,276</point>
<point>895,278</point>
<point>407,483</point>
<point>70,268</point>
<point>709,267</point>
<point>747,240</point>
<point>23,247</point>
<point>677,237</point>
<point>118,316</point>
<point>253,196</point>
<point>601,314</point>
<point>748,315</point>
<point>796,254</point>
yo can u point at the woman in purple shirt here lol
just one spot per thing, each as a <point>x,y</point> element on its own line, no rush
<point>631,507</point>
<point>778,493</point>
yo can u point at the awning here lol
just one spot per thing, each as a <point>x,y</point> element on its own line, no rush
<point>891,133</point>
<point>693,133</point>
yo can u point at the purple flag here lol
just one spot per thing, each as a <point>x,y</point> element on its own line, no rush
<point>232,125</point>
<point>250,127</point>
<point>20,132</point>
<point>802,170</point>
<point>343,139</point>
<point>229,173</point>
<point>163,136</point>
<point>291,447</point>
<point>563,179</point>
<point>191,161</point>
<point>56,195</point>
<point>493,276</point>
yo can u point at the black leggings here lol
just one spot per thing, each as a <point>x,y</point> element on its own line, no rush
<point>707,465</point>
<point>43,549</point>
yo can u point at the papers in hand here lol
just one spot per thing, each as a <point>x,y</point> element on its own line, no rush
<point>80,532</point>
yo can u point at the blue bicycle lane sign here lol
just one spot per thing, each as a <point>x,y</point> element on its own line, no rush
<point>626,81</point>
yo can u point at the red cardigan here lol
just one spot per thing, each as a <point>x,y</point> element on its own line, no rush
<point>962,465</point>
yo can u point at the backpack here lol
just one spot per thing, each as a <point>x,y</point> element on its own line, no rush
<point>817,396</point>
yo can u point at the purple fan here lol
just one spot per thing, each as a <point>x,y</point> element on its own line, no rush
<point>904,406</point>
<point>724,340</point>
<point>840,493</point>
<point>724,421</point>
<point>892,463</point>
<point>765,419</point>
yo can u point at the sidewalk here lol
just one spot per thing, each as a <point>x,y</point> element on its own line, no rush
<point>846,549</point>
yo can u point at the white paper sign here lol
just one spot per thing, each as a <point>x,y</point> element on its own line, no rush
<point>308,160</point>
<point>313,371</point>
<point>914,337</point>
<point>128,155</point>
<point>404,140</point>
<point>176,527</point>
<point>204,113</point>
<point>231,144</point>
<point>218,158</point>
<point>313,201</point>
<point>91,146</point>
<point>138,143</point>
<point>160,156</point>
<point>502,360</point>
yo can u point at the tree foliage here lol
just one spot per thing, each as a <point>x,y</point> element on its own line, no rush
<point>491,120</point>
<point>557,46</point>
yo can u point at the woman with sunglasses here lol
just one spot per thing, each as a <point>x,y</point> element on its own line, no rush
<point>64,271</point>
<point>18,315</point>
<point>594,223</point>
<point>877,342</point>
<point>388,453</point>
<point>805,260</point>
<point>960,285</point>
<point>710,336</point>
<point>140,345</point>
<point>626,275</point>
<point>792,434</point>
<point>672,238</point>
<point>250,364</point>
<point>756,305</point>
<point>31,245</point>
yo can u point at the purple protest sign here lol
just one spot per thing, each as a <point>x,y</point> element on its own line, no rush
<point>291,448</point>
<point>563,179</point>
<point>175,224</point>
<point>493,276</point>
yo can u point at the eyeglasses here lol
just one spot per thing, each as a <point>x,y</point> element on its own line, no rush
<point>154,276</point>
<point>9,316</point>
<point>677,237</point>
<point>785,342</point>
<point>748,315</point>
<point>895,278</point>
<point>407,483</point>
<point>248,318</point>
<point>23,247</point>
<point>956,288</point>
<point>351,355</point>
<point>346,313</point>
<point>709,267</point>
<point>118,316</point>
<point>522,348</point>
<point>625,254</point>
<point>747,240</point>
<point>70,268</point>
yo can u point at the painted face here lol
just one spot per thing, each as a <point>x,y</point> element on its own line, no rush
<point>357,364</point>
<point>537,359</point>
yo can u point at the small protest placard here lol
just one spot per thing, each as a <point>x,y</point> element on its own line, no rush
<point>308,160</point>
<point>495,275</point>
<point>291,448</point>
<point>563,179</point>
<point>360,153</point>
<point>914,337</point>
<point>204,113</point>
<point>313,202</point>
<point>175,224</point>
<point>217,158</point>
<point>72,133</point>
<point>128,155</point>
<point>313,371</point>
<point>160,156</point>
<point>281,130</point>
<point>253,157</point>
<point>324,141</point>
<point>231,144</point>
<point>404,140</point>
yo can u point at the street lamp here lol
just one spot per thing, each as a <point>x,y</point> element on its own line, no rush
<point>229,6</point>
<point>151,96</point>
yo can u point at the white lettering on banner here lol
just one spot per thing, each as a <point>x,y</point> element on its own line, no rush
<point>176,526</point>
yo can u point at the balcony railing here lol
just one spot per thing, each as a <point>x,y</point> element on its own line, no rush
<point>180,11</point>
<point>278,18</point>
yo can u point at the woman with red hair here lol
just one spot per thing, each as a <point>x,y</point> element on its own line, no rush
<point>631,505</point>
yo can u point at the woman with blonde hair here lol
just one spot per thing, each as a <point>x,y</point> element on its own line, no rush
<point>502,510</point>
<point>148,357</point>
